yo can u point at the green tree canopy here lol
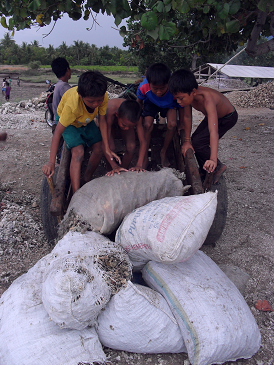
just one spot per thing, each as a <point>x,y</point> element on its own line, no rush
<point>235,21</point>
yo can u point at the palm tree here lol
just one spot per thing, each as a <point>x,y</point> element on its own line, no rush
<point>7,41</point>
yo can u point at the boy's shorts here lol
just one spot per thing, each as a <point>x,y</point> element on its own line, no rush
<point>152,110</point>
<point>87,135</point>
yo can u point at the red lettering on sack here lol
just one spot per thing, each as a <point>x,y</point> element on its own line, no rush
<point>137,246</point>
<point>167,221</point>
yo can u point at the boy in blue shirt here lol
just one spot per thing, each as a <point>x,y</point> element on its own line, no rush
<point>154,97</point>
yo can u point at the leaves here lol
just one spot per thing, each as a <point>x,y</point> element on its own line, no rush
<point>149,20</point>
<point>233,26</point>
<point>166,30</point>
<point>263,305</point>
<point>3,22</point>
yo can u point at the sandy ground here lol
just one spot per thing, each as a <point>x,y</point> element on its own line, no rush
<point>247,240</point>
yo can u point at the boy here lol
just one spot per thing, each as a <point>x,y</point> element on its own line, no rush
<point>154,96</point>
<point>126,114</point>
<point>220,116</point>
<point>62,71</point>
<point>7,91</point>
<point>75,114</point>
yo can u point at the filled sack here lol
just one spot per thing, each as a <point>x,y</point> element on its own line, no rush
<point>138,319</point>
<point>168,230</point>
<point>85,270</point>
<point>104,202</point>
<point>28,336</point>
<point>216,323</point>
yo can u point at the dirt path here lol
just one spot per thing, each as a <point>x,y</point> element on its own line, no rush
<point>247,241</point>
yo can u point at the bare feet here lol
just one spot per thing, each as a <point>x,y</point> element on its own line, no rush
<point>164,160</point>
<point>220,169</point>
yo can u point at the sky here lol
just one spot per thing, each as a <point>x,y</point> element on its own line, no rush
<point>68,31</point>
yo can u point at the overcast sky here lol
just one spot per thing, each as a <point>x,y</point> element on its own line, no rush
<point>68,31</point>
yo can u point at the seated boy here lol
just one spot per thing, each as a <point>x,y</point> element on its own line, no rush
<point>220,116</point>
<point>154,96</point>
<point>126,114</point>
<point>76,111</point>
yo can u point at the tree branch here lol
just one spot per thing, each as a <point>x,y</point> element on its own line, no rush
<point>252,47</point>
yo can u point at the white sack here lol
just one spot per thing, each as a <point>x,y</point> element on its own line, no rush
<point>169,230</point>
<point>216,323</point>
<point>104,202</point>
<point>28,336</point>
<point>138,319</point>
<point>76,287</point>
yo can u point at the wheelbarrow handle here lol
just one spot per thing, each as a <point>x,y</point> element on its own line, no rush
<point>51,185</point>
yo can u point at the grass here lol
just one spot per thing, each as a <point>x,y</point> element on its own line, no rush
<point>123,74</point>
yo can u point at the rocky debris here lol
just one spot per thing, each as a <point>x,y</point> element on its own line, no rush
<point>29,105</point>
<point>225,83</point>
<point>261,96</point>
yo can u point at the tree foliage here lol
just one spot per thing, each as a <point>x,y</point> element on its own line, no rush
<point>230,22</point>
<point>80,53</point>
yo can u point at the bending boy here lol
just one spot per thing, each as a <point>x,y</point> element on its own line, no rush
<point>220,116</point>
<point>126,114</point>
<point>154,96</point>
<point>75,112</point>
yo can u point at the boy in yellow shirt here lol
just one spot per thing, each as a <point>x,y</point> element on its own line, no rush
<point>75,113</point>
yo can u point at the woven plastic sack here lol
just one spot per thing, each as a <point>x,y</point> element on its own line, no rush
<point>79,281</point>
<point>216,323</point>
<point>169,230</point>
<point>138,319</point>
<point>104,202</point>
<point>28,336</point>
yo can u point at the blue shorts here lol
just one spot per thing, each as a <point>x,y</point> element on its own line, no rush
<point>87,135</point>
<point>152,110</point>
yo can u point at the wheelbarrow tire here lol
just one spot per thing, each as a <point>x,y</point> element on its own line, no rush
<point>218,224</point>
<point>49,222</point>
<point>48,118</point>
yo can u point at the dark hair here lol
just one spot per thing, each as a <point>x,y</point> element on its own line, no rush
<point>59,66</point>
<point>158,74</point>
<point>7,83</point>
<point>131,110</point>
<point>182,81</point>
<point>92,83</point>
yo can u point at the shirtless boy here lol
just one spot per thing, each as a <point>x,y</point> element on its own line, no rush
<point>220,116</point>
<point>126,114</point>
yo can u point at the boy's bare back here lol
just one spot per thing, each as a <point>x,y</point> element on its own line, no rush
<point>112,108</point>
<point>206,99</point>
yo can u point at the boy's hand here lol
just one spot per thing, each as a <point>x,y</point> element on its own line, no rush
<point>116,170</point>
<point>137,169</point>
<point>113,156</point>
<point>48,169</point>
<point>186,146</point>
<point>210,166</point>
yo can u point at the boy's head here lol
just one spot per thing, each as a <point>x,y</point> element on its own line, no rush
<point>92,86</point>
<point>7,83</point>
<point>60,67</point>
<point>157,76</point>
<point>183,86</point>
<point>182,81</point>
<point>128,114</point>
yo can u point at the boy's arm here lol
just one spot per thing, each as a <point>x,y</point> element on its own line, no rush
<point>185,117</point>
<point>212,116</point>
<point>142,149</point>
<point>49,168</point>
<point>115,168</point>
<point>140,102</point>
<point>110,155</point>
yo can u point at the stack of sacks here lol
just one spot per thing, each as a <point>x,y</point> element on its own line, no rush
<point>45,314</point>
<point>168,230</point>
<point>138,319</point>
<point>215,321</point>
<point>103,203</point>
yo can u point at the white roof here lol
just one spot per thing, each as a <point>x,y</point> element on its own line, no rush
<point>245,71</point>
